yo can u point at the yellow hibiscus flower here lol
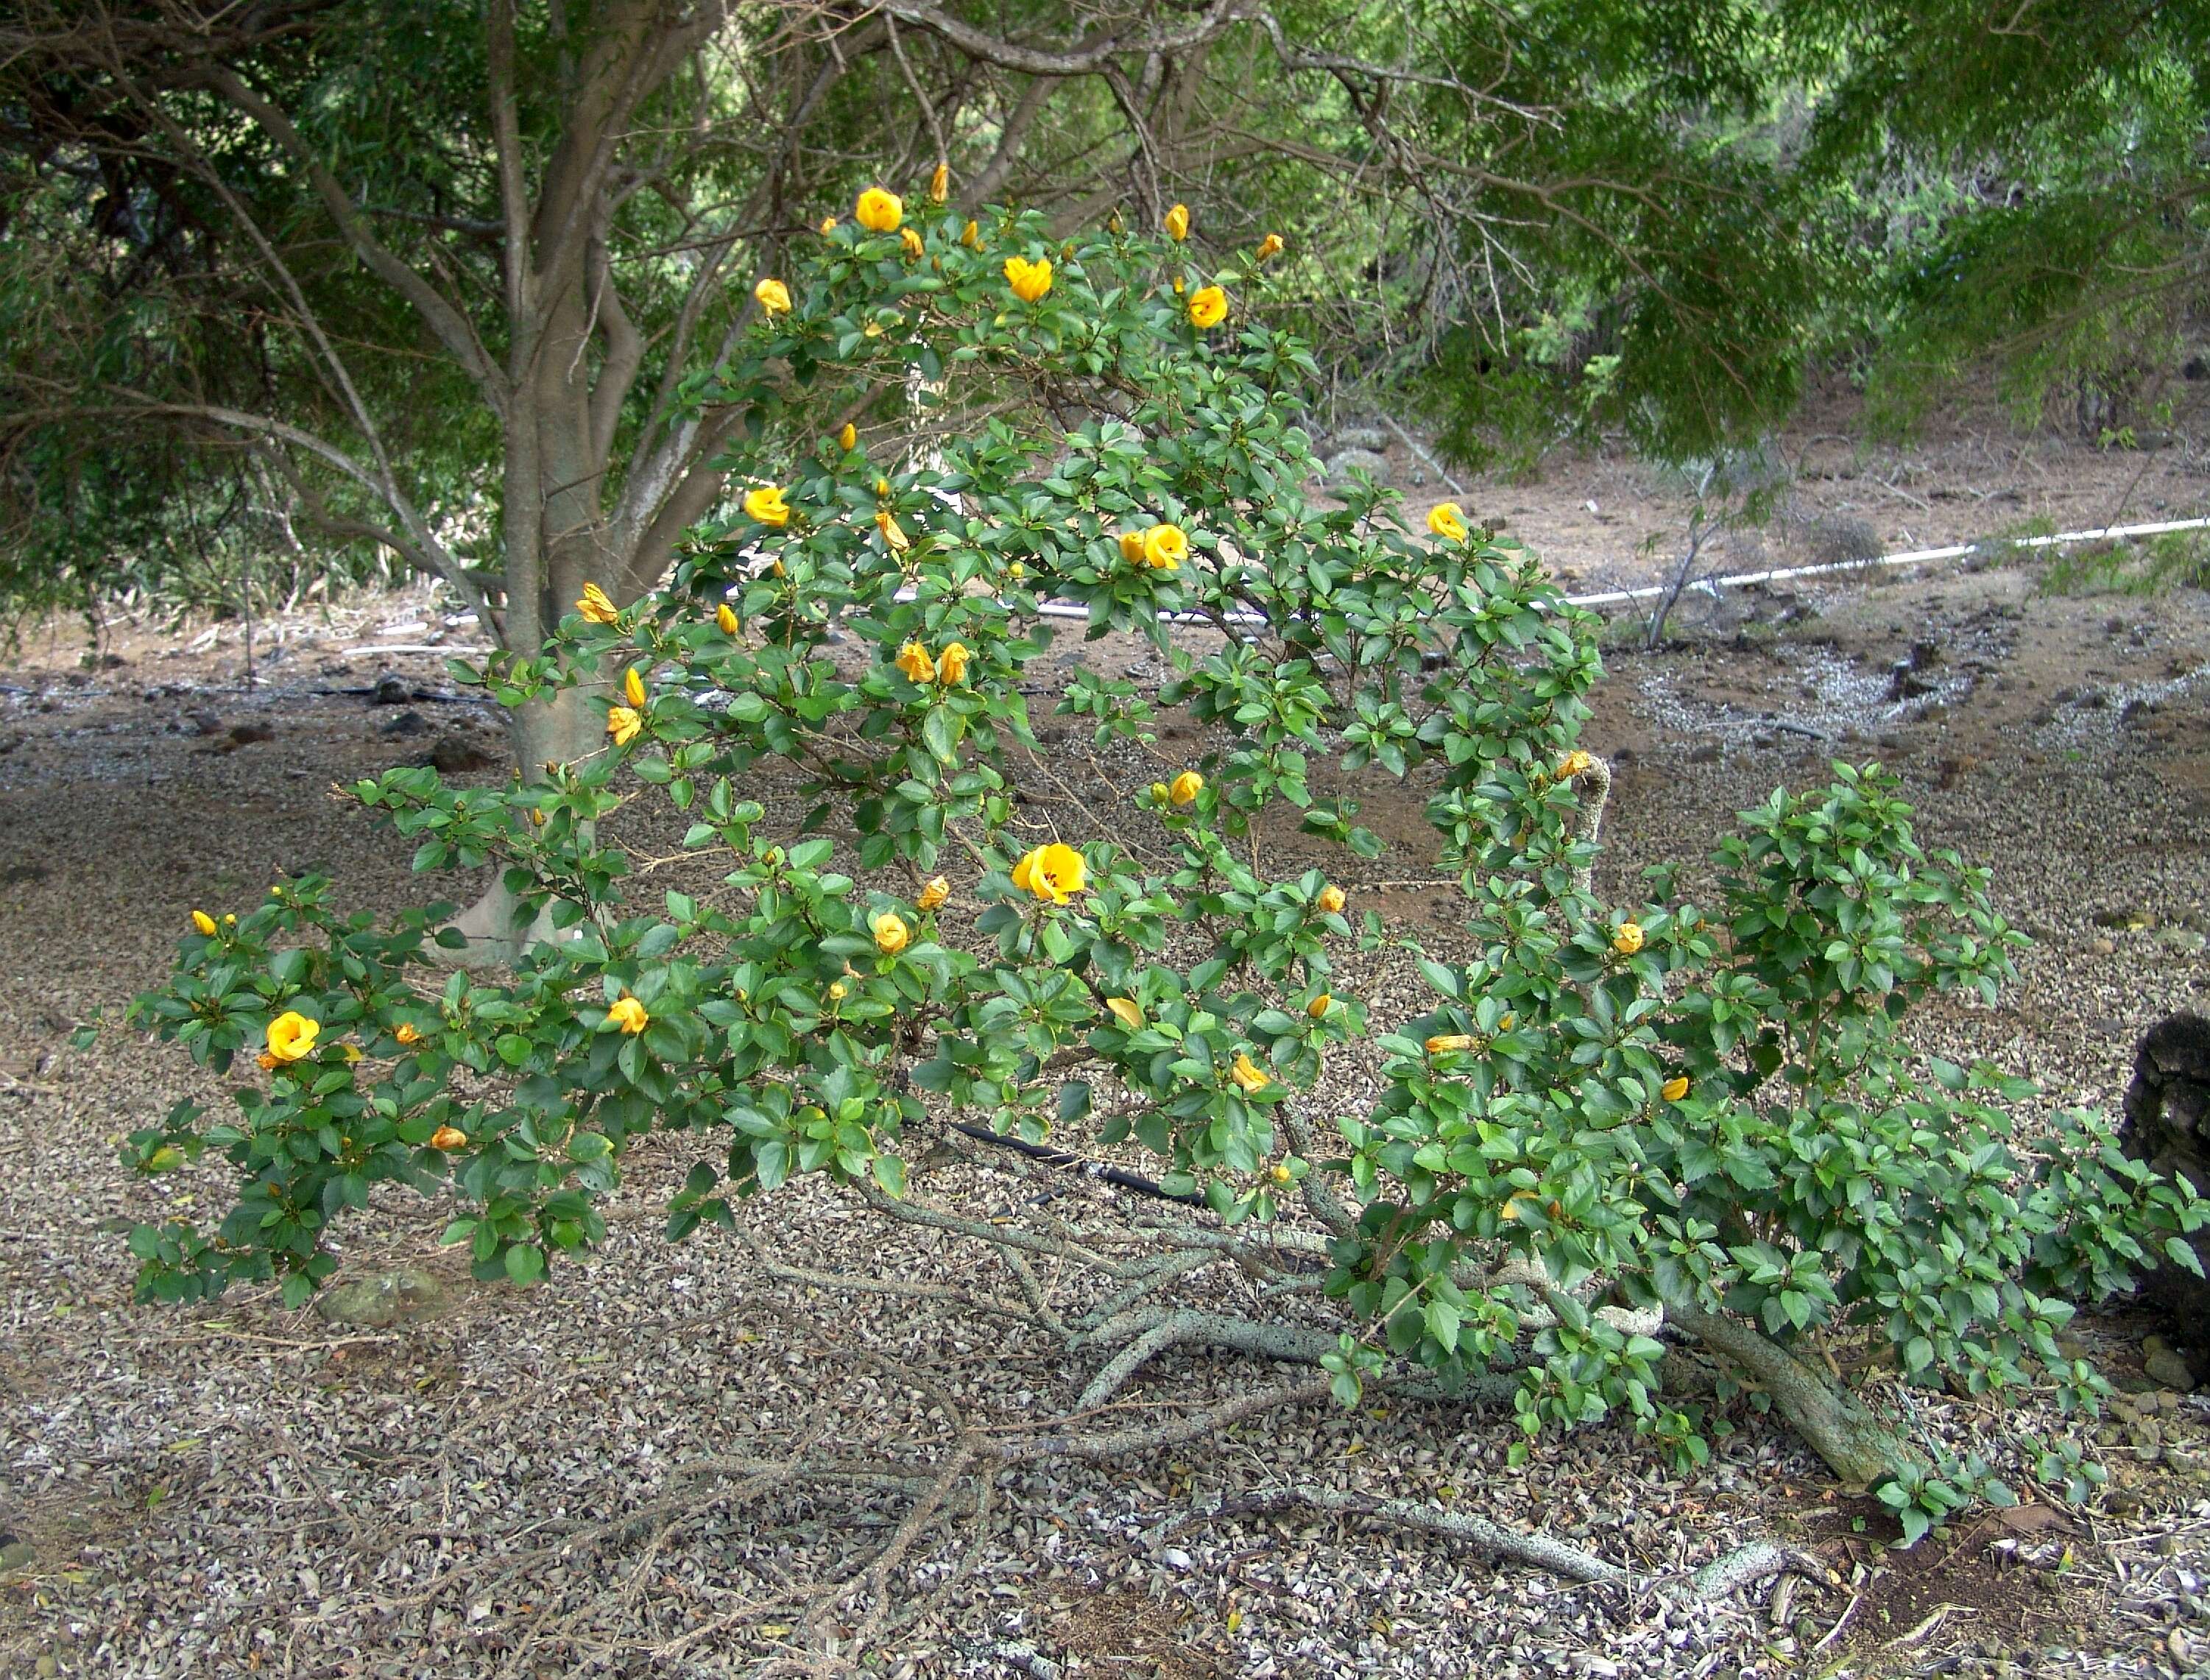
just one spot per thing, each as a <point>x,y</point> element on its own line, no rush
<point>939,183</point>
<point>910,239</point>
<point>774,298</point>
<point>933,895</point>
<point>292,1036</point>
<point>1029,281</point>
<point>1331,900</point>
<point>449,1137</point>
<point>1208,307</point>
<point>913,659</point>
<point>1447,520</point>
<point>1270,246</point>
<point>892,934</point>
<point>879,212</point>
<point>951,663</point>
<point>1186,787</point>
<point>1056,872</point>
<point>627,1013</point>
<point>1247,1074</point>
<point>1628,939</point>
<point>765,504</point>
<point>623,724</point>
<point>596,608</point>
<point>1165,547</point>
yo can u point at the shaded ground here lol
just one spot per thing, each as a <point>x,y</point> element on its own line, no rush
<point>501,1489</point>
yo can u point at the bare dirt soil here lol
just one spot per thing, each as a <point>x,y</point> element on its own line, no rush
<point>510,1484</point>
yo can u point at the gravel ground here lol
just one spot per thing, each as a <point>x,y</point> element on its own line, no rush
<point>518,1484</point>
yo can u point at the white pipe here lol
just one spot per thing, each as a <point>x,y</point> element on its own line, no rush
<point>1062,609</point>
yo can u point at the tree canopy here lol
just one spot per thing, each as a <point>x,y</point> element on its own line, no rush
<point>444,281</point>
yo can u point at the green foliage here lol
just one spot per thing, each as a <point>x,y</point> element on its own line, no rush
<point>1607,1109</point>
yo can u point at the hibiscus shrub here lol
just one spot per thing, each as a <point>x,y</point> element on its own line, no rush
<point>1613,1117</point>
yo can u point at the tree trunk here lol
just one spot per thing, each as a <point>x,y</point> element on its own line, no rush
<point>1841,1428</point>
<point>560,729</point>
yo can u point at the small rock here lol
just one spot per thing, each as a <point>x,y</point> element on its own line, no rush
<point>1367,438</point>
<point>406,723</point>
<point>1342,465</point>
<point>389,1298</point>
<point>457,755</point>
<point>2103,945</point>
<point>2163,1363</point>
<point>246,734</point>
<point>1709,753</point>
<point>18,1554</point>
<point>390,690</point>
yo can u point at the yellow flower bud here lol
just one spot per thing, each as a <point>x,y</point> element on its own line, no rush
<point>1331,900</point>
<point>951,666</point>
<point>774,298</point>
<point>848,438</point>
<point>1628,939</point>
<point>892,934</point>
<point>623,724</point>
<point>971,237</point>
<point>627,1013</point>
<point>1247,1074</point>
<point>828,225</point>
<point>1270,246</point>
<point>894,537</point>
<point>203,923</point>
<point>939,183</point>
<point>1280,1173</point>
<point>1444,1042</point>
<point>1159,793</point>
<point>910,239</point>
<point>449,1137</point>
<point>1177,222</point>
<point>596,608</point>
<point>632,687</point>
<point>725,620</point>
<point>1319,1005</point>
<point>933,895</point>
<point>1131,548</point>
<point>913,659</point>
<point>1186,787</point>
<point>837,991</point>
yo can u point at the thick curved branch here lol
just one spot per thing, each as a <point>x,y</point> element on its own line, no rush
<point>1090,60</point>
<point>453,329</point>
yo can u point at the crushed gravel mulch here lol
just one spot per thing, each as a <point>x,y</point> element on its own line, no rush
<point>565,1481</point>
